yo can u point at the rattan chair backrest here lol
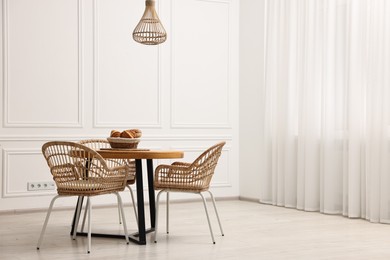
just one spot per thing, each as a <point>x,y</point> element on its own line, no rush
<point>80,170</point>
<point>203,167</point>
<point>189,177</point>
<point>97,144</point>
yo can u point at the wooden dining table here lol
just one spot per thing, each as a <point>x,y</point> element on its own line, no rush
<point>138,155</point>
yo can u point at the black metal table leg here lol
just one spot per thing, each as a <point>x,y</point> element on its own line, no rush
<point>152,202</point>
<point>140,202</point>
<point>140,236</point>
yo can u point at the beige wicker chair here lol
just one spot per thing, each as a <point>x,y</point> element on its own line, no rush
<point>80,171</point>
<point>191,178</point>
<point>97,144</point>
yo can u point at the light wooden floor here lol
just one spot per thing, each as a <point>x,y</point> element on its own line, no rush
<point>252,231</point>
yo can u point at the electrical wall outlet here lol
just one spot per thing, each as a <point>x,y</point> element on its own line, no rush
<point>40,185</point>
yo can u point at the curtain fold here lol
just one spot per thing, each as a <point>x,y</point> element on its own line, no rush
<point>327,119</point>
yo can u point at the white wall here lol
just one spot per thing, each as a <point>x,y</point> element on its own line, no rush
<point>251,96</point>
<point>70,70</point>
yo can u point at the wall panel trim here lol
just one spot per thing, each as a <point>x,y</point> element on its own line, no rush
<point>5,85</point>
<point>102,124</point>
<point>180,125</point>
<point>16,138</point>
<point>6,193</point>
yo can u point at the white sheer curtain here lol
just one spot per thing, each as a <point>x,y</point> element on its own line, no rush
<point>327,107</point>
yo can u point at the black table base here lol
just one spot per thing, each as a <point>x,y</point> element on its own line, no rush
<point>132,237</point>
<point>140,236</point>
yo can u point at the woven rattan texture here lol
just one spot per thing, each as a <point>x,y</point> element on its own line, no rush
<point>189,177</point>
<point>97,144</point>
<point>149,30</point>
<point>79,170</point>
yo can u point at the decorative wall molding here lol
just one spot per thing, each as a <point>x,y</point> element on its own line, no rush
<point>182,125</point>
<point>6,192</point>
<point>215,1</point>
<point>95,20</point>
<point>16,138</point>
<point>6,118</point>
<point>101,124</point>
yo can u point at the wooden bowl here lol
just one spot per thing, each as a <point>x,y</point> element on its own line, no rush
<point>123,143</point>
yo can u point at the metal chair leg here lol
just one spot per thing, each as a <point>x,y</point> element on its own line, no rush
<point>88,210</point>
<point>216,212</point>
<point>208,219</point>
<point>167,212</point>
<point>46,221</point>
<point>134,205</point>
<point>120,206</point>
<point>119,212</point>
<point>78,212</point>
<point>85,216</point>
<point>89,224</point>
<point>157,210</point>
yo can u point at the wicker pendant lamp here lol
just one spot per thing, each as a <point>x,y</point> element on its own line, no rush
<point>149,30</point>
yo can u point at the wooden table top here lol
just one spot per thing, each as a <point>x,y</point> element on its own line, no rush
<point>140,154</point>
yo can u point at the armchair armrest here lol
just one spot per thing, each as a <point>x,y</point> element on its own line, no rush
<point>118,174</point>
<point>171,173</point>
<point>183,164</point>
<point>180,177</point>
<point>122,171</point>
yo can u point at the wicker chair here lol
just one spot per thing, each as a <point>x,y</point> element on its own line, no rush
<point>80,171</point>
<point>97,144</point>
<point>190,178</point>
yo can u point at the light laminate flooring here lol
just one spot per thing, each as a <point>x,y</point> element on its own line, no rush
<point>252,231</point>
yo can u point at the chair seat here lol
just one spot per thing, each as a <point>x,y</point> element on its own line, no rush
<point>81,185</point>
<point>87,187</point>
<point>180,188</point>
